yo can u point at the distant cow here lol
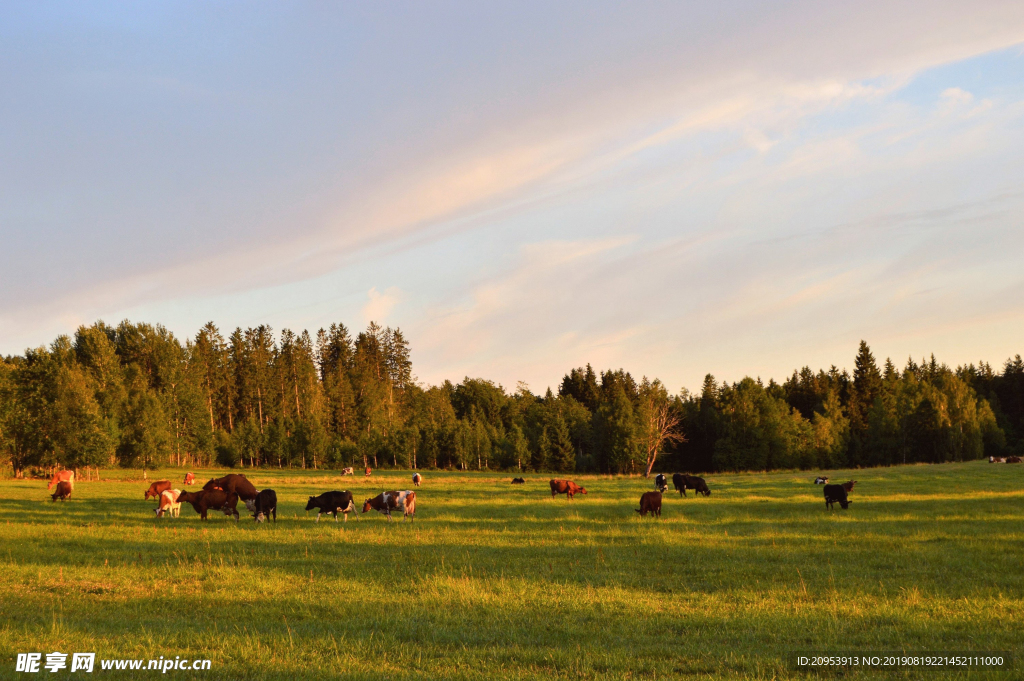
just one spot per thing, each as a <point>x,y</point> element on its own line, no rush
<point>567,487</point>
<point>62,492</point>
<point>348,471</point>
<point>332,503</point>
<point>417,479</point>
<point>660,482</point>
<point>834,493</point>
<point>263,505</point>
<point>386,502</point>
<point>157,488</point>
<point>62,476</point>
<point>233,483</point>
<point>650,502</point>
<point>1013,459</point>
<point>169,503</point>
<point>684,482</point>
<point>367,473</point>
<point>997,459</point>
<point>848,486</point>
<point>518,481</point>
<point>821,480</point>
<point>206,499</point>
<point>190,478</point>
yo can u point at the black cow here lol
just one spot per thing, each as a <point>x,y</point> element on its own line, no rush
<point>333,503</point>
<point>263,506</point>
<point>518,481</point>
<point>685,482</point>
<point>660,483</point>
<point>834,493</point>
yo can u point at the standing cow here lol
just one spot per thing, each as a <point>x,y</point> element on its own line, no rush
<point>385,502</point>
<point>190,478</point>
<point>206,499</point>
<point>62,492</point>
<point>62,476</point>
<point>417,479</point>
<point>169,503</point>
<point>567,487</point>
<point>233,483</point>
<point>685,482</point>
<point>660,482</point>
<point>650,502</point>
<point>263,505</point>
<point>834,493</point>
<point>158,488</point>
<point>332,503</point>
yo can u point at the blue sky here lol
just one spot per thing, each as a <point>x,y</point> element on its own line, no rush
<point>671,188</point>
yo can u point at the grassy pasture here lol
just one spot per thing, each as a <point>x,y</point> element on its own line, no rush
<point>495,581</point>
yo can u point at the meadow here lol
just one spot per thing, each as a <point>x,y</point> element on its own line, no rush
<point>495,581</point>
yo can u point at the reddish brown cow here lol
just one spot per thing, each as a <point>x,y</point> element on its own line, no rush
<point>204,500</point>
<point>62,476</point>
<point>233,483</point>
<point>848,486</point>
<point>190,478</point>
<point>385,502</point>
<point>62,492</point>
<point>650,502</point>
<point>566,487</point>
<point>157,487</point>
<point>368,471</point>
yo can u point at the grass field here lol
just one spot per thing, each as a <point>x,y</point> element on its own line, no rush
<point>495,581</point>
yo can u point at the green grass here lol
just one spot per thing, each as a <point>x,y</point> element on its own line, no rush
<point>495,581</point>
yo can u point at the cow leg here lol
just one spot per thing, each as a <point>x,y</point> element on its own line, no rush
<point>274,511</point>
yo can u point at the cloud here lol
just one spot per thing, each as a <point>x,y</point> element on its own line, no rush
<point>379,306</point>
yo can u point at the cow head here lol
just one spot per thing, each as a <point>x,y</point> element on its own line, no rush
<point>583,490</point>
<point>367,505</point>
<point>260,517</point>
<point>310,505</point>
<point>845,503</point>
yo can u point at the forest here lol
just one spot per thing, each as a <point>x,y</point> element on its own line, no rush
<point>135,396</point>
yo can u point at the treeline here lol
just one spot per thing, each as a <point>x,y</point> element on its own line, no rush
<point>135,396</point>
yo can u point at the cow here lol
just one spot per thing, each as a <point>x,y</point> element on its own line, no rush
<point>417,479</point>
<point>650,502</point>
<point>684,482</point>
<point>518,481</point>
<point>233,483</point>
<point>848,486</point>
<point>62,476</point>
<point>367,473</point>
<point>333,503</point>
<point>1014,459</point>
<point>567,487</point>
<point>385,502</point>
<point>348,471</point>
<point>263,506</point>
<point>205,499</point>
<point>62,492</point>
<point>834,493</point>
<point>821,480</point>
<point>660,483</point>
<point>169,503</point>
<point>158,488</point>
<point>190,478</point>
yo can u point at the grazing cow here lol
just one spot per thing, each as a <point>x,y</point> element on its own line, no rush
<point>417,479</point>
<point>834,493</point>
<point>821,480</point>
<point>169,503</point>
<point>1013,459</point>
<point>368,471</point>
<point>190,478</point>
<point>62,476</point>
<point>263,505</point>
<point>650,502</point>
<point>217,499</point>
<point>685,482</point>
<point>567,487</point>
<point>660,482</point>
<point>518,481</point>
<point>348,471</point>
<point>233,483</point>
<point>385,502</point>
<point>62,492</point>
<point>158,488</point>
<point>333,503</point>
<point>848,486</point>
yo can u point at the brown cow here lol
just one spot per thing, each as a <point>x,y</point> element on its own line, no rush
<point>169,503</point>
<point>368,471</point>
<point>206,499</point>
<point>62,492</point>
<point>650,502</point>
<point>62,476</point>
<point>417,479</point>
<point>848,486</point>
<point>566,487</point>
<point>190,478</point>
<point>157,488</point>
<point>233,483</point>
<point>1014,459</point>
<point>385,502</point>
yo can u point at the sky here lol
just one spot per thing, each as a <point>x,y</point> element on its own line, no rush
<point>679,188</point>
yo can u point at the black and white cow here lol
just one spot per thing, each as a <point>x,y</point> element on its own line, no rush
<point>660,482</point>
<point>821,480</point>
<point>263,506</point>
<point>333,503</point>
